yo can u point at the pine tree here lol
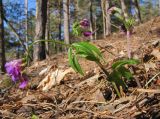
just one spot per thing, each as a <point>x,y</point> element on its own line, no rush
<point>41,19</point>
<point>2,42</point>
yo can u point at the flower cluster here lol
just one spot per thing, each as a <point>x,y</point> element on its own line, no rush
<point>84,24</point>
<point>14,69</point>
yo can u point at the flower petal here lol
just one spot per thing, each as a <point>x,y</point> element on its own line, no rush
<point>23,84</point>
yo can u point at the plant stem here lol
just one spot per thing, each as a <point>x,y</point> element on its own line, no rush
<point>103,69</point>
<point>116,89</point>
<point>128,44</point>
<point>107,74</point>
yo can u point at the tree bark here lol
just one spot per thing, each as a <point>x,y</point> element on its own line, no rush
<point>91,18</point>
<point>2,43</point>
<point>47,34</point>
<point>124,9</point>
<point>41,19</point>
<point>66,21</point>
<point>26,22</point>
<point>108,19</point>
<point>103,15</point>
<point>137,10</point>
<point>58,46</point>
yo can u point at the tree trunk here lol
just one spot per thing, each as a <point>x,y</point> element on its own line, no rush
<point>47,34</point>
<point>41,19</point>
<point>26,22</point>
<point>103,15</point>
<point>66,21</point>
<point>59,47</point>
<point>124,9</point>
<point>108,19</point>
<point>91,18</point>
<point>2,43</point>
<point>137,10</point>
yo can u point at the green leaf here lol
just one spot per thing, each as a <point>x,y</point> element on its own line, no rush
<point>88,57</point>
<point>116,77</point>
<point>129,23</point>
<point>70,56</point>
<point>124,62</point>
<point>77,65</point>
<point>125,72</point>
<point>74,62</point>
<point>84,52</point>
<point>76,29</point>
<point>34,117</point>
<point>119,16</point>
<point>88,50</point>
<point>92,48</point>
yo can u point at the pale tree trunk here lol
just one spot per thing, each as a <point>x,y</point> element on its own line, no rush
<point>137,10</point>
<point>2,42</point>
<point>66,21</point>
<point>47,34</point>
<point>41,19</point>
<point>58,46</point>
<point>108,19</point>
<point>95,27</point>
<point>91,18</point>
<point>76,10</point>
<point>124,9</point>
<point>26,23</point>
<point>103,14</point>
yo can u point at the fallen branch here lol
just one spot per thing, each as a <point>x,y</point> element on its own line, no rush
<point>152,79</point>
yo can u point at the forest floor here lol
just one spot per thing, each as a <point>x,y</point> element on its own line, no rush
<point>55,91</point>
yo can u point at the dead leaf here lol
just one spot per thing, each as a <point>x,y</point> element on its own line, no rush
<point>48,69</point>
<point>90,81</point>
<point>98,96</point>
<point>53,78</point>
<point>156,53</point>
<point>150,65</point>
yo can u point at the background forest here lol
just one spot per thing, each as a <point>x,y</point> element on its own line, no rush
<point>19,21</point>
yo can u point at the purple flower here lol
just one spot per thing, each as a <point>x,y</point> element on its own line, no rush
<point>23,84</point>
<point>14,68</point>
<point>24,81</point>
<point>84,23</point>
<point>87,33</point>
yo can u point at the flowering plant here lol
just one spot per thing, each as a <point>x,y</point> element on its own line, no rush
<point>81,28</point>
<point>14,69</point>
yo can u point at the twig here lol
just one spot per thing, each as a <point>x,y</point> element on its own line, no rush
<point>152,79</point>
<point>121,108</point>
<point>90,102</point>
<point>148,90</point>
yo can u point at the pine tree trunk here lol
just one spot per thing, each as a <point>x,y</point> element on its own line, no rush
<point>91,18</point>
<point>124,9</point>
<point>41,19</point>
<point>47,34</point>
<point>103,14</point>
<point>2,43</point>
<point>66,21</point>
<point>26,23</point>
<point>137,9</point>
<point>108,19</point>
<point>59,47</point>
